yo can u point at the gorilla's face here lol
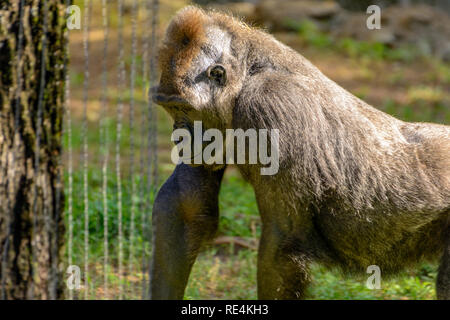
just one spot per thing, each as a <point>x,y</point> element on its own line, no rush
<point>201,72</point>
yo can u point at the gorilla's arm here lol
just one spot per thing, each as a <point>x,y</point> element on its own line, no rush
<point>185,214</point>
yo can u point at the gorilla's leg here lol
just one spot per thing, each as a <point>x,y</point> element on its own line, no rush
<point>185,214</point>
<point>282,272</point>
<point>443,279</point>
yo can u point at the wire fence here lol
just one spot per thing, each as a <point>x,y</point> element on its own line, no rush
<point>109,191</point>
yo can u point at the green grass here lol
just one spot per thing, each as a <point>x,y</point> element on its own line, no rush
<point>416,112</point>
<point>314,37</point>
<point>239,214</point>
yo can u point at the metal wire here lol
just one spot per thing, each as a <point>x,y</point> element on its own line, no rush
<point>121,82</point>
<point>144,128</point>
<point>104,144</point>
<point>152,182</point>
<point>153,78</point>
<point>86,29</point>
<point>132,143</point>
<point>70,158</point>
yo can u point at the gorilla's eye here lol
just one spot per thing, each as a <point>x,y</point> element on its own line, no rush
<point>218,74</point>
<point>185,41</point>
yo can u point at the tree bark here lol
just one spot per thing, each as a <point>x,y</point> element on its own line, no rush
<point>31,194</point>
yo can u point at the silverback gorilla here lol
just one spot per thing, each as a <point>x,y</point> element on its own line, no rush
<point>356,187</point>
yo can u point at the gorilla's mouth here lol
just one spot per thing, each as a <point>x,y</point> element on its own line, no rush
<point>176,106</point>
<point>166,100</point>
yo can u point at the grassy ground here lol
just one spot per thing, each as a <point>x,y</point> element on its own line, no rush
<point>411,87</point>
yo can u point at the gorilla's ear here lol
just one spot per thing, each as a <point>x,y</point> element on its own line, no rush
<point>259,66</point>
<point>267,100</point>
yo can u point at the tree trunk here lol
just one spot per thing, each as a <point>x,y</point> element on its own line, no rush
<point>31,111</point>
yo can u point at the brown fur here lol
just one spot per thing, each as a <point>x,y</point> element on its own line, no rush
<point>184,38</point>
<point>356,186</point>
